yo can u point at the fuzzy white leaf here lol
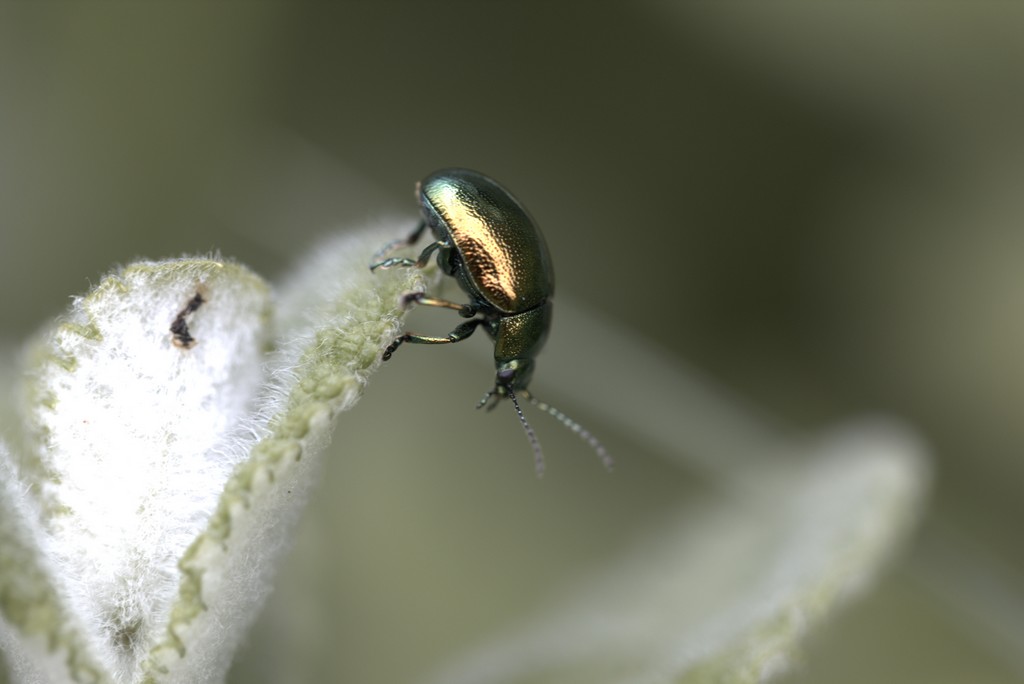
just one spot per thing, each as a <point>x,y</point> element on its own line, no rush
<point>167,454</point>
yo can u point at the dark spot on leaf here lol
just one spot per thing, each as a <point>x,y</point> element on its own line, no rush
<point>182,337</point>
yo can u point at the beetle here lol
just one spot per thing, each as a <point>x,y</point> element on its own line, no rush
<point>487,242</point>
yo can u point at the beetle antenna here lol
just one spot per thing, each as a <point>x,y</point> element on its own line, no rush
<point>538,455</point>
<point>568,422</point>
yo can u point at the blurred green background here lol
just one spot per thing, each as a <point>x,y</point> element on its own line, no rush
<point>819,205</point>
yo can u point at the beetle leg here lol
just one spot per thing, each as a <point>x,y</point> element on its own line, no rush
<point>460,333</point>
<point>465,310</point>
<point>412,238</point>
<point>490,400</point>
<point>407,263</point>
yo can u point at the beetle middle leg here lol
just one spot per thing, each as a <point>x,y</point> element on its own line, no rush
<point>460,333</point>
<point>465,310</point>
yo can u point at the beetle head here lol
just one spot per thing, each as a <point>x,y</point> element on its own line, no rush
<point>514,375</point>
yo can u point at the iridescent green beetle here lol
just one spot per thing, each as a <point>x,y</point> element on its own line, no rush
<point>486,241</point>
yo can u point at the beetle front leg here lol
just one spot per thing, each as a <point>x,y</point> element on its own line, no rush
<point>460,333</point>
<point>408,263</point>
<point>412,239</point>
